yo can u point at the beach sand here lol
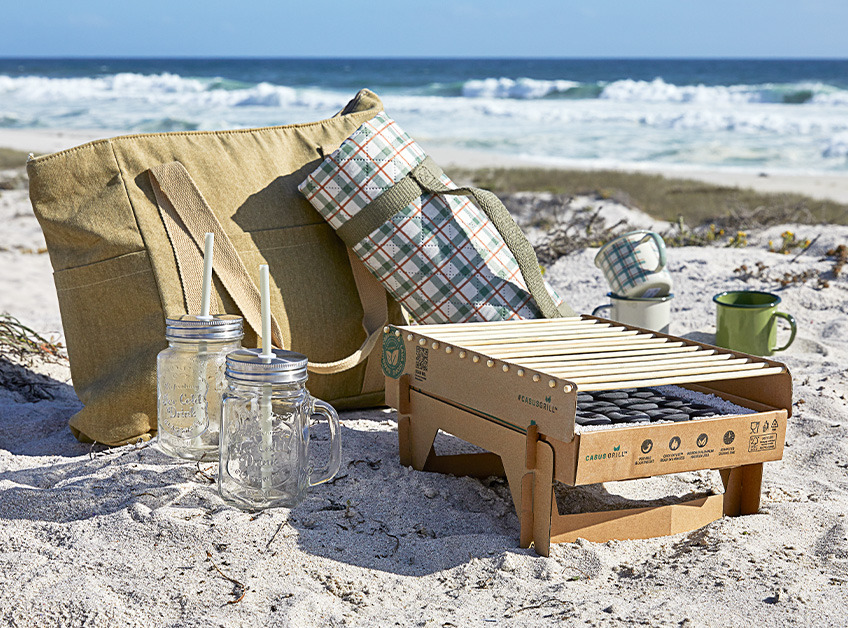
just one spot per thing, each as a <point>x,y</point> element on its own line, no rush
<point>129,537</point>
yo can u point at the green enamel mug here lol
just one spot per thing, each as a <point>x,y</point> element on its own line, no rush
<point>746,321</point>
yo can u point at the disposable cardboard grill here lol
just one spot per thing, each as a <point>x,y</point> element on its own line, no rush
<point>511,388</point>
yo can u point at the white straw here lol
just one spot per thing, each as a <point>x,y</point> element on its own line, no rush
<point>207,276</point>
<point>208,246</point>
<point>265,296</point>
<point>265,399</point>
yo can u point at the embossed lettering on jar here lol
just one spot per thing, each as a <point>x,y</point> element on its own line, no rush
<point>190,383</point>
<point>265,458</point>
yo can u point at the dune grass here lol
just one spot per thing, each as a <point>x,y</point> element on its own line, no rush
<point>10,158</point>
<point>696,202</point>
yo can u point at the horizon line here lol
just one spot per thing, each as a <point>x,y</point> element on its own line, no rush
<point>418,58</point>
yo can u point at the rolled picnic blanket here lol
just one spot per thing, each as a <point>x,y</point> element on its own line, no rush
<point>444,258</point>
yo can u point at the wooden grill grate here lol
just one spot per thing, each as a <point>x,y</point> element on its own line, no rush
<point>595,354</point>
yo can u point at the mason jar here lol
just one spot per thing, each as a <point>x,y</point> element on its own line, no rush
<point>190,382</point>
<point>265,457</point>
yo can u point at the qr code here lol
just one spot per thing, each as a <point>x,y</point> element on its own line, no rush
<point>422,355</point>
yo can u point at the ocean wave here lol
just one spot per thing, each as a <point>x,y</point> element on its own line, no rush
<point>652,121</point>
<point>523,88</point>
<point>160,89</point>
<point>219,92</point>
<point>659,91</point>
<point>836,147</point>
<point>655,91</point>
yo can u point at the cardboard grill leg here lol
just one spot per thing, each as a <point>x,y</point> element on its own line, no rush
<point>742,487</point>
<point>531,476</point>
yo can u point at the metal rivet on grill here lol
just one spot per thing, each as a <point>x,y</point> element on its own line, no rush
<point>552,384</point>
<point>505,368</point>
<point>462,354</point>
<point>536,377</point>
<point>566,388</point>
<point>475,359</point>
<point>397,334</point>
<point>448,349</point>
<point>520,372</point>
<point>409,337</point>
<point>422,342</point>
<point>386,330</point>
<point>490,363</point>
<point>435,345</point>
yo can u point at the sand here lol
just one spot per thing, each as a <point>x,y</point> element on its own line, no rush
<point>129,537</point>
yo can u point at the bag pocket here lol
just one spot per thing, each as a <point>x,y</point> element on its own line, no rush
<point>317,303</point>
<point>114,328</point>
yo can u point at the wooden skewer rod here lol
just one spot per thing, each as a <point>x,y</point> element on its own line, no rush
<point>539,335</point>
<point>641,370</point>
<point>517,341</point>
<point>679,353</point>
<point>523,324</point>
<point>628,378</point>
<point>460,336</point>
<point>610,344</point>
<point>580,350</point>
<point>588,385</point>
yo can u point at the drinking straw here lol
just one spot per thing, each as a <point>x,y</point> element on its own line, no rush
<point>208,246</point>
<point>265,300</point>
<point>207,276</point>
<point>265,400</point>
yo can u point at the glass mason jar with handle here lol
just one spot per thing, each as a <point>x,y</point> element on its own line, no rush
<point>265,457</point>
<point>190,383</point>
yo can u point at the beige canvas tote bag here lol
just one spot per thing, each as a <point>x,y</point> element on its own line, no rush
<point>124,220</point>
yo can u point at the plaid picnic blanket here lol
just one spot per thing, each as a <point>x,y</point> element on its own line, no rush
<point>439,255</point>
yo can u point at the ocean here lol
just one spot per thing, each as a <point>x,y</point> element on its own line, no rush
<point>754,115</point>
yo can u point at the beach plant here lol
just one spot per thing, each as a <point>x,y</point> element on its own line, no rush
<point>20,342</point>
<point>739,240</point>
<point>20,346</point>
<point>731,208</point>
<point>763,273</point>
<point>582,229</point>
<point>788,243</point>
<point>682,235</point>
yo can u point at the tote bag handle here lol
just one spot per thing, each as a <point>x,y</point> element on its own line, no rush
<point>188,217</point>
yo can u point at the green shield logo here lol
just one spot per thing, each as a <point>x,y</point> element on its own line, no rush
<point>394,356</point>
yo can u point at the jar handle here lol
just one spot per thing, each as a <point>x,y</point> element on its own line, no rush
<point>328,472</point>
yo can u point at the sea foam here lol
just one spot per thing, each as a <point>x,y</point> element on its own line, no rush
<point>794,126</point>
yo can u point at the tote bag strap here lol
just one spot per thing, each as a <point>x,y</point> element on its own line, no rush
<point>425,178</point>
<point>188,217</point>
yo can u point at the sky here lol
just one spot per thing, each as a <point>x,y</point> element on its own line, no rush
<point>429,28</point>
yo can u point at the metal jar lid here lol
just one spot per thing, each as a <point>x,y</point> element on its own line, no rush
<point>191,327</point>
<point>247,366</point>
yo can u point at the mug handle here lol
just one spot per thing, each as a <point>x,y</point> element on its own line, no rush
<point>793,327</point>
<point>660,248</point>
<point>328,472</point>
<point>601,307</point>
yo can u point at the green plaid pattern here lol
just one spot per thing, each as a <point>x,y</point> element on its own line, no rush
<point>373,159</point>
<point>623,264</point>
<point>440,256</point>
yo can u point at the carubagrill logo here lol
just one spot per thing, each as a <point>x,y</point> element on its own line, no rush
<point>538,403</point>
<point>394,356</point>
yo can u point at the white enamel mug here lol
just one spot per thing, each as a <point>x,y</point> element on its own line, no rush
<point>652,313</point>
<point>634,265</point>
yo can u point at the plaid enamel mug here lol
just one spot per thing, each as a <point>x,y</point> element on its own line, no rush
<point>634,265</point>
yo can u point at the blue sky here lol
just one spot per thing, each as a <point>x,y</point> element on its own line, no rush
<point>463,28</point>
